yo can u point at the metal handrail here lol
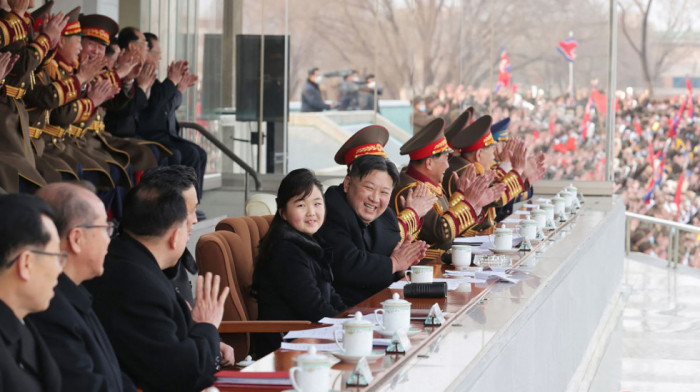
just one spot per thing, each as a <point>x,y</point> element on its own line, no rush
<point>226,151</point>
<point>674,233</point>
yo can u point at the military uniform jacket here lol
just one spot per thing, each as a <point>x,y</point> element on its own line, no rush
<point>44,96</point>
<point>446,220</point>
<point>361,266</point>
<point>53,142</point>
<point>79,112</point>
<point>20,370</point>
<point>15,147</point>
<point>150,327</point>
<point>75,336</point>
<point>514,186</point>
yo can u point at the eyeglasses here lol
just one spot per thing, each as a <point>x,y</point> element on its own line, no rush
<point>110,226</point>
<point>61,257</point>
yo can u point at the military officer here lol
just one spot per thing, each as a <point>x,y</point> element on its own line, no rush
<point>15,148</point>
<point>477,150</point>
<point>451,216</point>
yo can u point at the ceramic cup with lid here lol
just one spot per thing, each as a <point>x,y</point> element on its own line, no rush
<point>528,228</point>
<point>540,217</point>
<point>569,198</point>
<point>357,336</point>
<point>461,255</point>
<point>396,314</point>
<point>549,210</point>
<point>559,205</point>
<point>312,372</point>
<point>503,238</point>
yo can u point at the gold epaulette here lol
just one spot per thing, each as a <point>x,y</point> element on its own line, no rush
<point>35,133</point>
<point>15,92</point>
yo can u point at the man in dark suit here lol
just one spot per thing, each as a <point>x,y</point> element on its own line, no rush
<point>30,263</point>
<point>371,246</point>
<point>158,121</point>
<point>160,344</point>
<point>70,327</point>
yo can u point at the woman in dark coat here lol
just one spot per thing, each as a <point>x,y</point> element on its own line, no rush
<point>292,278</point>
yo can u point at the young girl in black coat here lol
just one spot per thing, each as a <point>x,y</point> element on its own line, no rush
<point>292,277</point>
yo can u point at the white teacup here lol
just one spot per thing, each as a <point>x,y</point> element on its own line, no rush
<point>528,229</point>
<point>357,336</point>
<point>420,274</point>
<point>503,238</point>
<point>396,314</point>
<point>540,217</point>
<point>461,255</point>
<point>312,372</point>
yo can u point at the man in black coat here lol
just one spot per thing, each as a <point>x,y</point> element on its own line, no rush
<point>30,263</point>
<point>70,327</point>
<point>369,252</point>
<point>159,342</point>
<point>158,122</point>
<point>311,100</point>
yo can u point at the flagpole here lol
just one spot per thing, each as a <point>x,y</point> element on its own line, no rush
<point>571,74</point>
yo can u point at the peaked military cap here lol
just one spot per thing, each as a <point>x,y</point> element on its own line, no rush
<point>99,28</point>
<point>367,141</point>
<point>499,130</point>
<point>477,135</point>
<point>427,142</point>
<point>458,124</point>
<point>73,25</point>
<point>39,14</point>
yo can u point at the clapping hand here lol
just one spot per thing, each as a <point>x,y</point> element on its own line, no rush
<point>419,199</point>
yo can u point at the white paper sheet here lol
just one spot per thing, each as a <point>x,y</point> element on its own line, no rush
<point>315,333</point>
<point>336,321</point>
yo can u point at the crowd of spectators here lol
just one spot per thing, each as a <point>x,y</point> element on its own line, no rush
<point>573,140</point>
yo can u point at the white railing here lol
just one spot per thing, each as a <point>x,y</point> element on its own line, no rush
<point>675,230</point>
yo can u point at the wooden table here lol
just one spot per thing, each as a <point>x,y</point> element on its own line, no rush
<point>455,304</point>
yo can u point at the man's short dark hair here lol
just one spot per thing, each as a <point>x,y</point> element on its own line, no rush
<point>21,225</point>
<point>151,211</point>
<point>69,210</point>
<point>365,164</point>
<point>150,38</point>
<point>178,177</point>
<point>127,35</point>
<point>312,70</point>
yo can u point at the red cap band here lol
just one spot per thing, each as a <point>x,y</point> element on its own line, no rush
<point>485,141</point>
<point>72,28</point>
<point>365,149</point>
<point>94,32</point>
<point>431,149</point>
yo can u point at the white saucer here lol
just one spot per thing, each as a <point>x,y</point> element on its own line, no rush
<point>504,251</point>
<point>382,332</point>
<point>354,358</point>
